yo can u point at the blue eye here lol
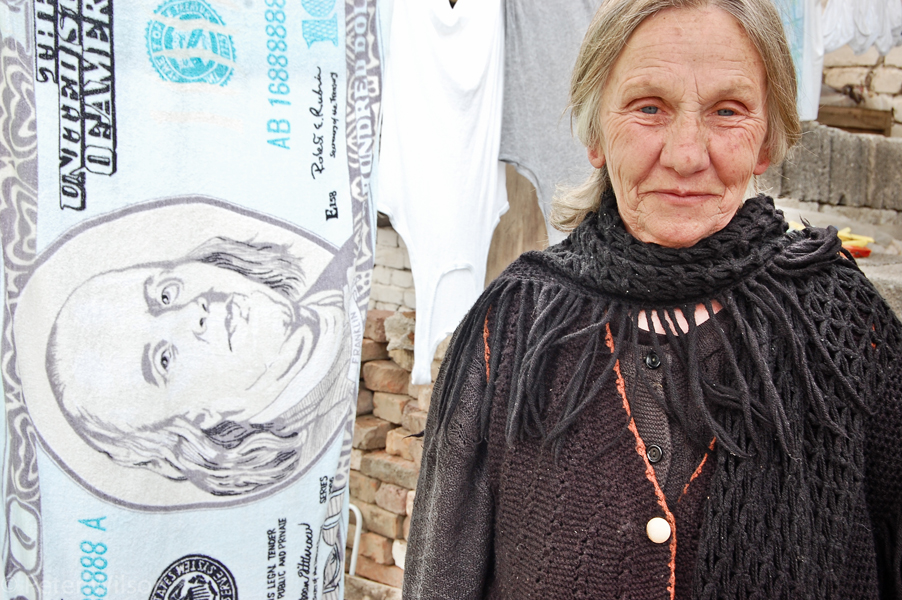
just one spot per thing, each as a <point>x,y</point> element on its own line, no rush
<point>649,110</point>
<point>725,112</point>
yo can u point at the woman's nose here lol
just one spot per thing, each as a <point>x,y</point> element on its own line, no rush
<point>686,148</point>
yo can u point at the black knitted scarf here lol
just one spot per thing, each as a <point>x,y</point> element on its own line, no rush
<point>803,335</point>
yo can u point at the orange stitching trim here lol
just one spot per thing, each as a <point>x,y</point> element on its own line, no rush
<point>485,340</point>
<point>649,470</point>
<point>698,470</point>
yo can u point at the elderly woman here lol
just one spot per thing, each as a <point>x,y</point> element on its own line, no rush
<point>682,400</point>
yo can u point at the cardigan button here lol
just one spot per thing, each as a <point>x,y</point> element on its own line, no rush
<point>654,454</point>
<point>652,361</point>
<point>658,530</point>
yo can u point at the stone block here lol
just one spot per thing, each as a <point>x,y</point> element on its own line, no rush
<point>416,451</point>
<point>411,496</point>
<point>897,108</point>
<point>356,458</point>
<point>387,306</point>
<point>395,258</point>
<point>399,552</point>
<point>388,575</point>
<point>385,376</point>
<point>399,329</point>
<point>845,57</point>
<point>390,406</point>
<point>376,547</point>
<point>370,432</point>
<point>771,182</point>
<point>897,131</point>
<point>371,350</point>
<point>885,186</point>
<point>363,488</point>
<point>386,236</point>
<point>403,358</point>
<point>381,521</point>
<point>392,498</point>
<point>893,57</point>
<point>397,443</point>
<point>406,528</point>
<point>364,401</point>
<point>887,80</point>
<point>414,421</point>
<point>387,293</point>
<point>402,279</point>
<point>423,395</point>
<point>837,78</point>
<point>390,469</point>
<point>410,299</point>
<point>382,274</point>
<point>358,588</point>
<point>349,543</point>
<point>806,173</point>
<point>878,102</point>
<point>375,325</point>
<point>850,163</point>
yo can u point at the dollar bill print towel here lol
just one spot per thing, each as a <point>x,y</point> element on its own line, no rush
<point>187,245</point>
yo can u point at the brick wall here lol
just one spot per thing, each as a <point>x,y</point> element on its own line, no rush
<point>392,279</point>
<point>876,79</point>
<point>385,461</point>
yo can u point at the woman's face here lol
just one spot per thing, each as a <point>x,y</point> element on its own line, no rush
<point>193,340</point>
<point>683,120</point>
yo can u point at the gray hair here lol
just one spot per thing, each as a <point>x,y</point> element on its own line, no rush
<point>230,458</point>
<point>613,24</point>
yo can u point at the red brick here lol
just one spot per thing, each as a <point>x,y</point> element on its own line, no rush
<point>397,443</point>
<point>373,350</point>
<point>423,396</point>
<point>385,376</point>
<point>376,547</point>
<point>356,457</point>
<point>414,420</point>
<point>390,406</point>
<point>364,401</point>
<point>392,498</point>
<point>363,488</point>
<point>411,496</point>
<point>390,469</point>
<point>358,588</point>
<point>389,575</point>
<point>436,365</point>
<point>370,432</point>
<point>416,451</point>
<point>375,325</point>
<point>405,528</point>
<point>381,521</point>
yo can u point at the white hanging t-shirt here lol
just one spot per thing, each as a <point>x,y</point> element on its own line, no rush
<point>439,177</point>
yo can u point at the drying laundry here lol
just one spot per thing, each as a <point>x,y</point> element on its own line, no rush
<point>439,176</point>
<point>540,47</point>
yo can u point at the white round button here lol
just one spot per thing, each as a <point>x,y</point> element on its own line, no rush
<point>658,530</point>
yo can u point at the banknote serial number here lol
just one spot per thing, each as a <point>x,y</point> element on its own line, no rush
<point>277,72</point>
<point>93,574</point>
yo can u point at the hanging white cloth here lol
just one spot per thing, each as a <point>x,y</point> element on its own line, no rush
<point>862,24</point>
<point>804,31</point>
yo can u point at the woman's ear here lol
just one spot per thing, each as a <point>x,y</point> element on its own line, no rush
<point>763,161</point>
<point>596,157</point>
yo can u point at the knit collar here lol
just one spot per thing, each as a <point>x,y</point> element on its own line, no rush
<point>600,254</point>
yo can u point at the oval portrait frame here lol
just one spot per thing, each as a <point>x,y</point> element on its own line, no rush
<point>148,232</point>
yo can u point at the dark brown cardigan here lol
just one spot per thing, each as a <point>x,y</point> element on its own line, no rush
<point>502,512</point>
